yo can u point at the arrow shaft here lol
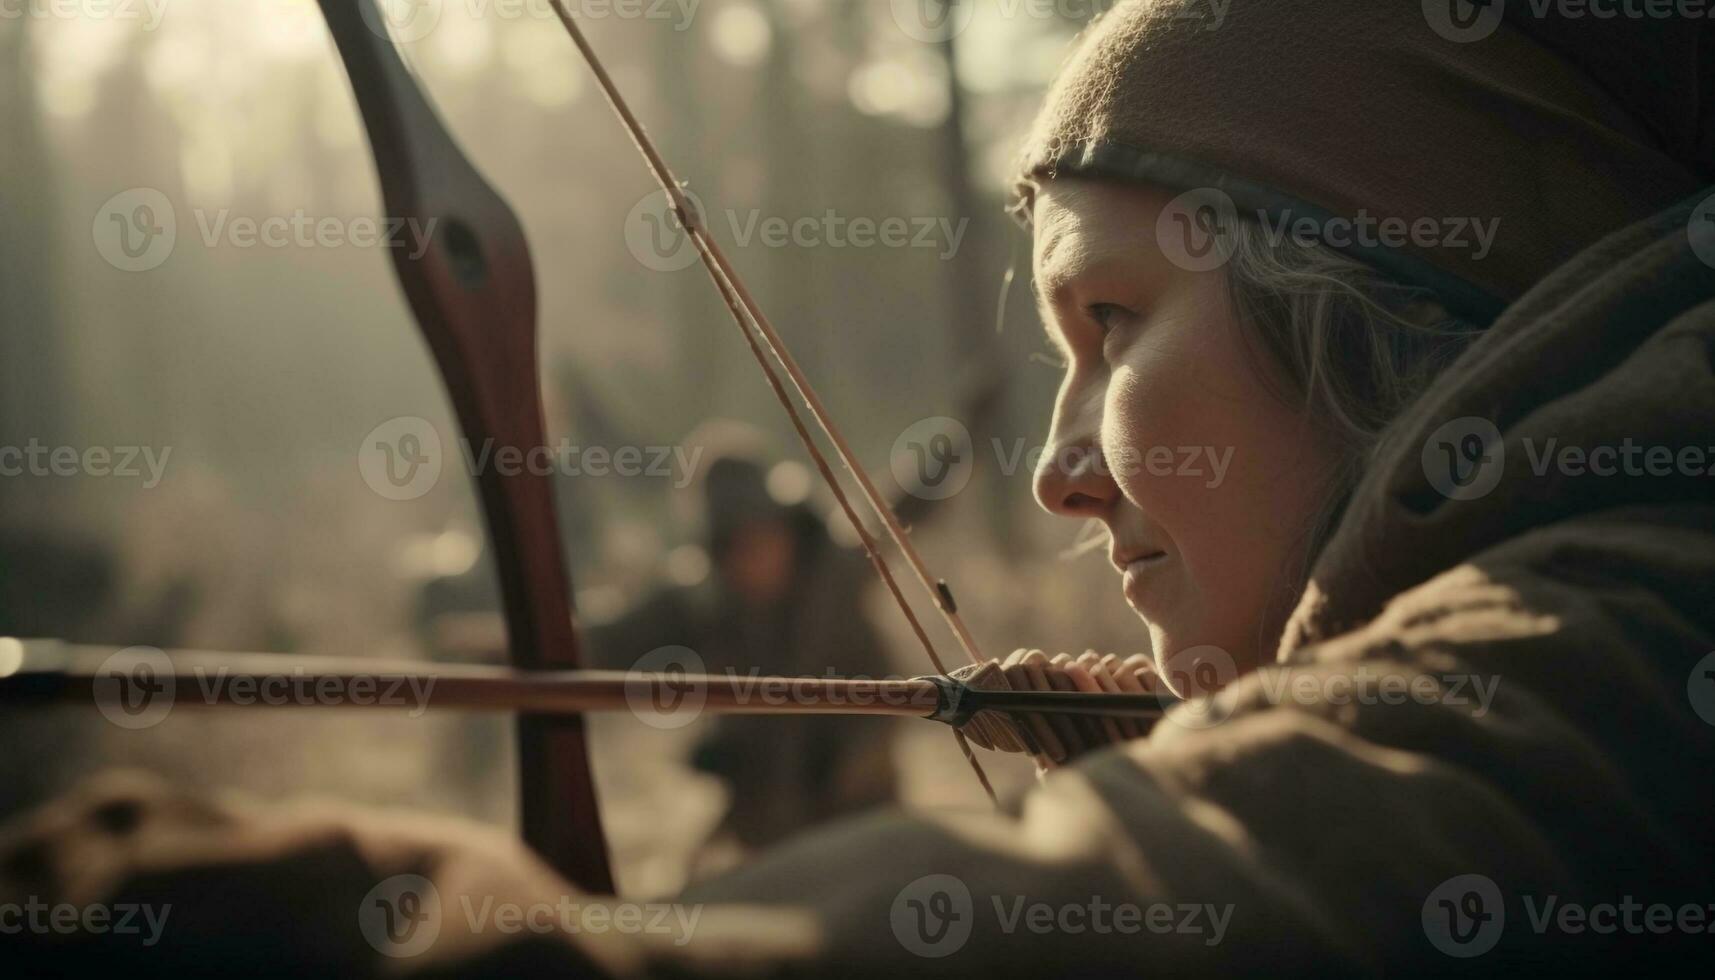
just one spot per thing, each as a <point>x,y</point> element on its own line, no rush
<point>49,674</point>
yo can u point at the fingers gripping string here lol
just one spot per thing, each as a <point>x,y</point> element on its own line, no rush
<point>1055,739</point>
<point>759,333</point>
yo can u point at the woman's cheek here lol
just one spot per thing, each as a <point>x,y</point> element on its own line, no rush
<point>1144,413</point>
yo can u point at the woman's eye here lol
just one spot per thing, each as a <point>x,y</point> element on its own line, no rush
<point>1107,316</point>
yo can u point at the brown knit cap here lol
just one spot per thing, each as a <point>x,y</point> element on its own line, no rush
<point>1337,115</point>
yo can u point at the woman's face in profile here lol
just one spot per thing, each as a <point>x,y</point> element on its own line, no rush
<point>1165,432</point>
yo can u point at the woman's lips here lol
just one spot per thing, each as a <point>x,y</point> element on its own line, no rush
<point>1138,572</point>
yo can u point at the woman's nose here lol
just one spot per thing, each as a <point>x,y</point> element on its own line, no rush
<point>1073,480</point>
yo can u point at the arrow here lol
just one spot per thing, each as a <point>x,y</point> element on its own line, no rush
<point>35,673</point>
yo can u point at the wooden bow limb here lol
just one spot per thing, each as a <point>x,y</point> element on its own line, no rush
<point>138,679</point>
<point>473,293</point>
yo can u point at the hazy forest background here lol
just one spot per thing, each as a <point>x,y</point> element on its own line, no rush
<point>263,368</point>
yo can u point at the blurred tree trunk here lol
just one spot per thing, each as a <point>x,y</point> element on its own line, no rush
<point>32,370</point>
<point>788,190</point>
<point>980,378</point>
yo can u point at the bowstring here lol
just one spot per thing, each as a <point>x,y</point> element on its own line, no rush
<point>760,333</point>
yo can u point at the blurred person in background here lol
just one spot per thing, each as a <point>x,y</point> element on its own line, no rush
<point>775,580</point>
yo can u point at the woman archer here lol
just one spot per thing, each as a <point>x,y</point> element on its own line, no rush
<point>1446,290</point>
